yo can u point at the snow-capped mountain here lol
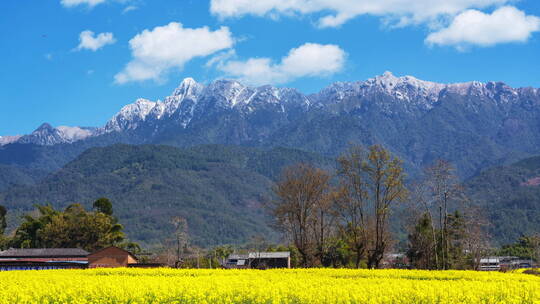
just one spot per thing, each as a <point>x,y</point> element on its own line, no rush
<point>194,100</point>
<point>130,116</point>
<point>240,113</point>
<point>406,88</point>
<point>46,135</point>
<point>4,140</point>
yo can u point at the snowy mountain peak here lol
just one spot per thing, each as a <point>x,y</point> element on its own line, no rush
<point>47,135</point>
<point>45,127</point>
<point>4,140</point>
<point>130,116</point>
<point>229,92</point>
<point>72,134</point>
<point>191,102</point>
<point>188,87</point>
<point>390,82</point>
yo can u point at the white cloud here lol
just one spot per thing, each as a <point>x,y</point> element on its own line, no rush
<point>308,60</point>
<point>220,57</point>
<point>89,3</point>
<point>129,9</point>
<point>472,27</point>
<point>89,41</point>
<point>157,51</point>
<point>337,12</point>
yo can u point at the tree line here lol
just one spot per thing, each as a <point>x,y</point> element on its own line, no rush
<point>73,227</point>
<point>343,219</point>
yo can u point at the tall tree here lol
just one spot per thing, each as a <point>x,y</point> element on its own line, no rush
<point>385,186</point>
<point>3,222</point>
<point>421,248</point>
<point>351,201</point>
<point>302,193</point>
<point>3,225</point>
<point>444,193</point>
<point>181,237</point>
<point>457,231</point>
<point>421,208</point>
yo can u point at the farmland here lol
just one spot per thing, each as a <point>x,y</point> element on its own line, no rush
<point>271,286</point>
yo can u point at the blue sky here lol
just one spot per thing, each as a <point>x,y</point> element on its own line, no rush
<point>77,62</point>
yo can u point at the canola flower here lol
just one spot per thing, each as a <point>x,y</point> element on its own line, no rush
<point>268,286</point>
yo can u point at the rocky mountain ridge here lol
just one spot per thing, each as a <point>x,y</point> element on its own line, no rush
<point>474,125</point>
<point>192,100</point>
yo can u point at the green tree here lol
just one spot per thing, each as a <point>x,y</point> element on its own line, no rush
<point>457,236</point>
<point>527,246</point>
<point>72,228</point>
<point>3,225</point>
<point>3,222</point>
<point>385,187</point>
<point>27,235</point>
<point>103,205</point>
<point>421,244</point>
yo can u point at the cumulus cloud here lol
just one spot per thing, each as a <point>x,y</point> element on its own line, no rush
<point>337,12</point>
<point>89,3</point>
<point>89,41</point>
<point>157,51</point>
<point>472,27</point>
<point>308,60</point>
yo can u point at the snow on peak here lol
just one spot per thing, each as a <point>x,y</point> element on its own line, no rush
<point>75,133</point>
<point>229,92</point>
<point>188,88</point>
<point>48,135</point>
<point>130,116</point>
<point>44,127</point>
<point>4,140</point>
<point>390,83</point>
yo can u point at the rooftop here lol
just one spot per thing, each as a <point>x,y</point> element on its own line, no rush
<point>260,255</point>
<point>43,252</point>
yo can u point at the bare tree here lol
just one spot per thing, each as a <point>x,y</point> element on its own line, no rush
<point>445,191</point>
<point>351,201</point>
<point>421,199</point>
<point>300,208</point>
<point>477,239</point>
<point>385,185</point>
<point>439,193</point>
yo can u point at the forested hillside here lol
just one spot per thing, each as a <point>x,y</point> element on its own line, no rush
<point>219,190</point>
<point>510,196</point>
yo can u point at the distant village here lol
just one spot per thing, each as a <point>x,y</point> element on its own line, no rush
<point>115,257</point>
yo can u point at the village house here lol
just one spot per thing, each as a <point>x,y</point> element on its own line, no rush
<point>497,263</point>
<point>111,257</point>
<point>67,258</point>
<point>259,260</point>
<point>44,258</point>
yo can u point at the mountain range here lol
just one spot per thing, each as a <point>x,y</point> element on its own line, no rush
<point>211,152</point>
<point>474,125</point>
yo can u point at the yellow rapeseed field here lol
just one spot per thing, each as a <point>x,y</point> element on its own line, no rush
<point>270,286</point>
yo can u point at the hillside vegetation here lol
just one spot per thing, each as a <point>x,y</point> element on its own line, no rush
<point>219,190</point>
<point>510,196</point>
